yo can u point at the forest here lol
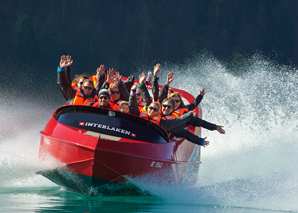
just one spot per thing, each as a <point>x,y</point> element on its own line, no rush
<point>129,34</point>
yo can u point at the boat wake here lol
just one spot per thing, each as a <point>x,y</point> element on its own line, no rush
<point>253,165</point>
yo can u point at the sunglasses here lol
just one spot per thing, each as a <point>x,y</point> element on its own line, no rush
<point>81,82</point>
<point>138,94</point>
<point>103,97</point>
<point>89,88</point>
<point>115,92</point>
<point>152,108</point>
<point>167,106</point>
<point>177,101</point>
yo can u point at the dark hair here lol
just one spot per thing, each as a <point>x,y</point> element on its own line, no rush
<point>169,100</point>
<point>89,81</point>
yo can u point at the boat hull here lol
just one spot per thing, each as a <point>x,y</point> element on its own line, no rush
<point>94,162</point>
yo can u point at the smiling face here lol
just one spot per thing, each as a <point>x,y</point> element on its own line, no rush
<point>115,93</point>
<point>153,110</point>
<point>124,108</point>
<point>177,102</point>
<point>139,96</point>
<point>167,108</point>
<point>87,88</point>
<point>103,100</point>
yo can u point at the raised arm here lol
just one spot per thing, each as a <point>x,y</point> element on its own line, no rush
<point>144,89</point>
<point>155,85</point>
<point>132,102</point>
<point>164,91</point>
<point>198,99</point>
<point>64,86</point>
<point>124,95</point>
<point>101,77</point>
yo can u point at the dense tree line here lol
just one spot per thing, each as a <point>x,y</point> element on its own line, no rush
<point>124,34</point>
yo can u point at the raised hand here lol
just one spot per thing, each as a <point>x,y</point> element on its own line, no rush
<point>203,91</point>
<point>220,130</point>
<point>101,70</point>
<point>110,75</point>
<point>142,78</point>
<point>118,76</point>
<point>170,78</point>
<point>65,61</point>
<point>156,69</point>
<point>134,87</point>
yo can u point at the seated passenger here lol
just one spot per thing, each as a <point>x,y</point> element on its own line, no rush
<point>118,92</point>
<point>123,107</point>
<point>152,112</point>
<point>77,97</point>
<point>167,113</point>
<point>180,108</point>
<point>167,109</point>
<point>77,82</point>
<point>103,100</point>
<point>137,96</point>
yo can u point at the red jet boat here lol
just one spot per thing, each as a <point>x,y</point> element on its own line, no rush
<point>102,150</point>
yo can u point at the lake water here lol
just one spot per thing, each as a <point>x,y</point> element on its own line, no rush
<point>253,168</point>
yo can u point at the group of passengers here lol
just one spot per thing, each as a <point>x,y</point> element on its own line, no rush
<point>166,108</point>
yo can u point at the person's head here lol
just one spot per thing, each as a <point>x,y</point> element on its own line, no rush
<point>178,100</point>
<point>139,96</point>
<point>88,87</point>
<point>167,106</point>
<point>104,97</point>
<point>79,79</point>
<point>153,109</point>
<point>170,91</point>
<point>114,90</point>
<point>123,107</point>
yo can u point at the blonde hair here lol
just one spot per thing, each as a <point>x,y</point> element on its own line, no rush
<point>114,84</point>
<point>176,94</point>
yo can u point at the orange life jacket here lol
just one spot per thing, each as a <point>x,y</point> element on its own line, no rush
<point>169,117</point>
<point>94,79</point>
<point>141,105</point>
<point>115,104</point>
<point>143,114</point>
<point>81,100</point>
<point>180,111</point>
<point>74,86</point>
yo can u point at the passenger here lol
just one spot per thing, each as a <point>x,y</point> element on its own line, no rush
<point>167,110</point>
<point>77,82</point>
<point>139,97</point>
<point>151,112</point>
<point>76,97</point>
<point>123,107</point>
<point>167,114</point>
<point>118,91</point>
<point>103,100</point>
<point>180,108</point>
